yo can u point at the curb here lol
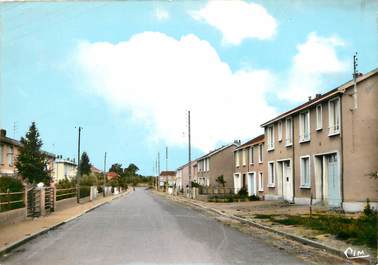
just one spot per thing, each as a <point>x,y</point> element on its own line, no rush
<point>26,239</point>
<point>300,239</point>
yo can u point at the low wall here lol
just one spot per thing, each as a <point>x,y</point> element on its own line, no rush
<point>12,216</point>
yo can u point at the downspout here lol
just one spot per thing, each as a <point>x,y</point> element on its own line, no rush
<point>293,159</point>
<point>342,151</point>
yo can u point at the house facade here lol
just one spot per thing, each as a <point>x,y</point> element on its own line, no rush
<point>325,148</point>
<point>249,167</point>
<point>64,168</point>
<point>182,175</point>
<point>9,151</point>
<point>216,163</point>
<point>167,178</point>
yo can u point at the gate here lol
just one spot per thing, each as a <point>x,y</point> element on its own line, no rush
<point>49,199</point>
<point>34,203</point>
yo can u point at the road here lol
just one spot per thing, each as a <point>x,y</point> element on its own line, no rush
<point>144,228</point>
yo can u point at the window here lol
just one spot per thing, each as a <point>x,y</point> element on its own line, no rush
<point>334,116</point>
<point>319,117</point>
<point>244,156</point>
<point>270,139</point>
<point>237,161</point>
<point>10,156</point>
<point>1,154</point>
<point>251,155</point>
<point>271,174</point>
<point>304,126</point>
<point>289,132</point>
<point>261,183</point>
<point>279,131</point>
<point>260,153</point>
<point>305,172</point>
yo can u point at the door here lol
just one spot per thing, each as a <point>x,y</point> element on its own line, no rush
<point>287,181</point>
<point>251,183</point>
<point>334,190</point>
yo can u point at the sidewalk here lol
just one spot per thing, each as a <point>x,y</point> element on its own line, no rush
<point>250,212</point>
<point>14,233</point>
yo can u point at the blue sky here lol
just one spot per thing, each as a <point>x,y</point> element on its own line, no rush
<point>128,71</point>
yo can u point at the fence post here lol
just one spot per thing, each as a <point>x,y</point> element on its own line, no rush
<point>42,201</point>
<point>26,199</point>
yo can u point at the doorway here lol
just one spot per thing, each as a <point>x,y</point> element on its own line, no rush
<point>251,183</point>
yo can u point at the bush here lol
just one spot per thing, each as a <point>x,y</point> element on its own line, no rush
<point>254,198</point>
<point>10,184</point>
<point>243,193</point>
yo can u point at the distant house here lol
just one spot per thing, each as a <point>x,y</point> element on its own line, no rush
<point>111,175</point>
<point>9,151</point>
<point>325,148</point>
<point>167,178</point>
<point>249,168</point>
<point>96,170</point>
<point>216,163</point>
<point>182,175</point>
<point>64,168</point>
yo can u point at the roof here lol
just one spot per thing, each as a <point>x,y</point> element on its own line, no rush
<point>112,174</point>
<point>5,139</point>
<point>65,161</point>
<point>220,149</point>
<point>168,173</point>
<point>193,163</point>
<point>316,100</point>
<point>95,169</point>
<point>253,141</point>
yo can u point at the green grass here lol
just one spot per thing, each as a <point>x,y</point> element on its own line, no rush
<point>359,231</point>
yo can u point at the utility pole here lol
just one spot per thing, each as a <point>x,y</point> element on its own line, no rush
<point>355,75</point>
<point>103,190</point>
<point>78,169</point>
<point>166,158</point>
<point>189,152</point>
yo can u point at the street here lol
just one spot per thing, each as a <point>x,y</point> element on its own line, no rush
<point>144,228</point>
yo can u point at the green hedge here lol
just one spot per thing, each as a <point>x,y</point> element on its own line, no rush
<point>12,185</point>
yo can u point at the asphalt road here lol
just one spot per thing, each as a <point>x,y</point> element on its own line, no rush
<point>144,228</point>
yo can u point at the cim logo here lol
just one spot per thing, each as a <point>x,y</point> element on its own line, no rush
<point>350,253</point>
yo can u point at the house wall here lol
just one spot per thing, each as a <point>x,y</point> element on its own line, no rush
<point>5,168</point>
<point>256,166</point>
<point>360,143</point>
<point>221,163</point>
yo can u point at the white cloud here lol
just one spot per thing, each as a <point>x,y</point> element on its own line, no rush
<point>157,78</point>
<point>161,14</point>
<point>238,20</point>
<point>316,60</point>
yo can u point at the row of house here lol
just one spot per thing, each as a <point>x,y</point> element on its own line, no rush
<point>325,151</point>
<point>59,167</point>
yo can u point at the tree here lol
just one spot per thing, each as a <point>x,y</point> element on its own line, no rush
<point>131,170</point>
<point>221,180</point>
<point>32,162</point>
<point>85,166</point>
<point>116,168</point>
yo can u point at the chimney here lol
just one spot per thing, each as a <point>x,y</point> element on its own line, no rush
<point>309,98</point>
<point>318,95</point>
<point>3,133</point>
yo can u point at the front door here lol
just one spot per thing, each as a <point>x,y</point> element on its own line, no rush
<point>287,181</point>
<point>251,183</point>
<point>334,191</point>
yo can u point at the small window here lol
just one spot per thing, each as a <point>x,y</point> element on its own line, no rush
<point>319,117</point>
<point>289,132</point>
<point>279,128</point>
<point>334,116</point>
<point>304,126</point>
<point>1,154</point>
<point>261,182</point>
<point>260,153</point>
<point>244,156</point>
<point>10,156</point>
<point>305,172</point>
<point>270,138</point>
<point>271,174</point>
<point>237,161</point>
<point>251,155</point>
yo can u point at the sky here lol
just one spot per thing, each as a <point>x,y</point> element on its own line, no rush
<point>128,72</point>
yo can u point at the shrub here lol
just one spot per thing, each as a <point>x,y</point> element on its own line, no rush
<point>10,184</point>
<point>254,198</point>
<point>243,193</point>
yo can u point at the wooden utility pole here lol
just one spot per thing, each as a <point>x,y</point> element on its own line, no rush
<point>78,168</point>
<point>103,190</point>
<point>189,152</point>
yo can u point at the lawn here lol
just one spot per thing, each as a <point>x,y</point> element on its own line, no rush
<point>362,230</point>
